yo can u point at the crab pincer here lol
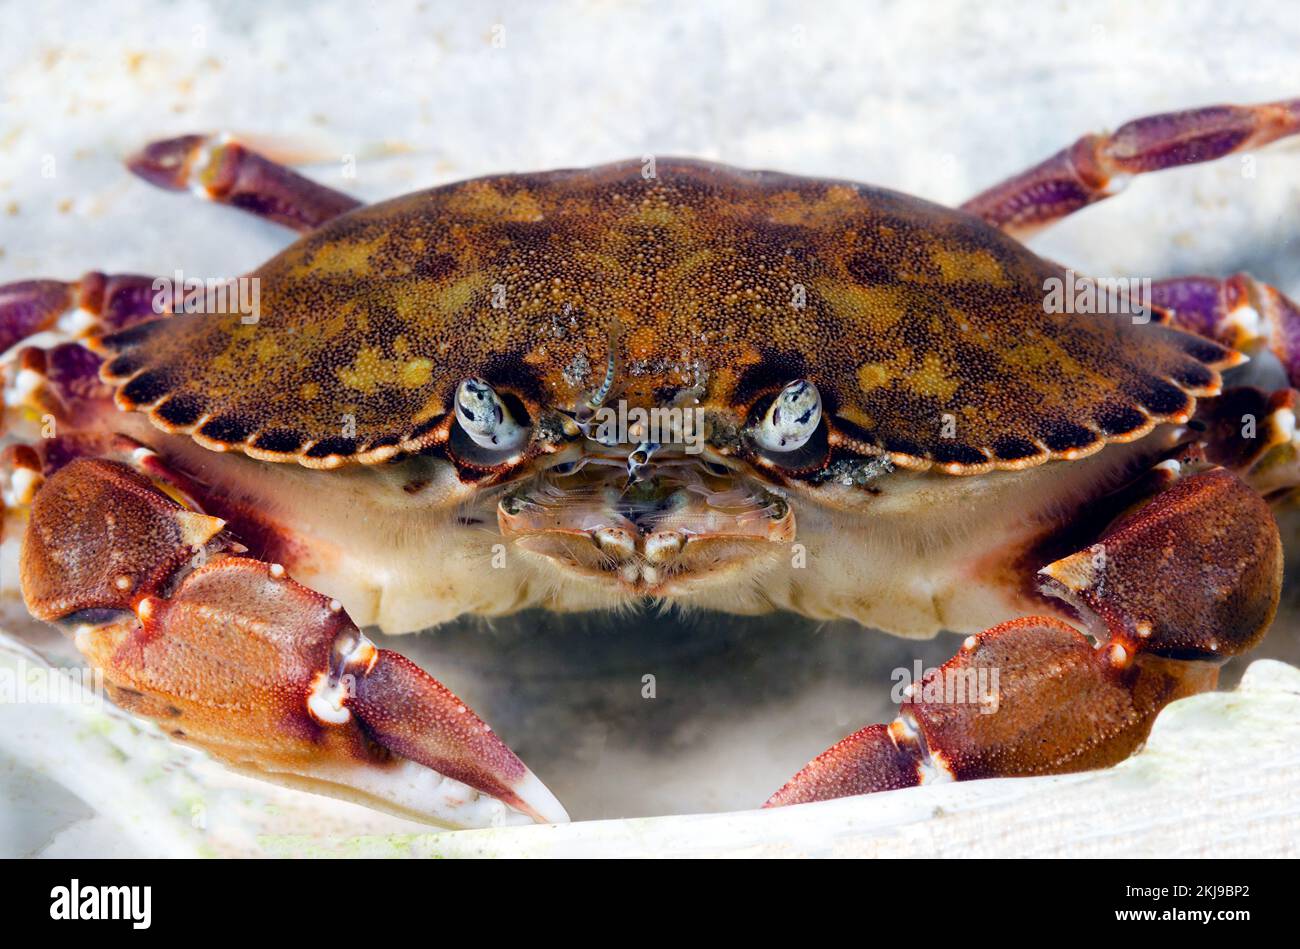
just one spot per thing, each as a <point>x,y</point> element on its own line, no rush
<point>230,654</point>
<point>1168,590</point>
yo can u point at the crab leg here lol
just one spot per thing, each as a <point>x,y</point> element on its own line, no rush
<point>1239,312</point>
<point>1096,166</point>
<point>71,309</point>
<point>229,653</point>
<point>54,377</point>
<point>1168,591</point>
<point>222,170</point>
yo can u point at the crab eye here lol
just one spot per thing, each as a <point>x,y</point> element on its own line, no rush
<point>792,418</point>
<point>486,419</point>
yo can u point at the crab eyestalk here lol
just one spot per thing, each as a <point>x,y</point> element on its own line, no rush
<point>486,419</point>
<point>791,419</point>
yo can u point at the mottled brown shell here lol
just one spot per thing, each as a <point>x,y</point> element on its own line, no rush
<point>924,329</point>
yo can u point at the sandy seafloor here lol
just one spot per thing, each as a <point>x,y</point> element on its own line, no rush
<point>928,98</point>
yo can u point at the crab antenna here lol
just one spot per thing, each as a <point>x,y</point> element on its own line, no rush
<point>597,398</point>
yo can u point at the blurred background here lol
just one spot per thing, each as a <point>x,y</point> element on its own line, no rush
<point>376,99</point>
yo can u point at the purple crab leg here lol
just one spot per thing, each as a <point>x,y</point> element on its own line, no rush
<point>1238,311</point>
<point>1096,166</point>
<point>224,171</point>
<point>107,301</point>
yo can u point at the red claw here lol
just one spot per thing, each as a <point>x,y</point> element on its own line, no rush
<point>865,762</point>
<point>230,654</point>
<point>413,714</point>
<point>1191,575</point>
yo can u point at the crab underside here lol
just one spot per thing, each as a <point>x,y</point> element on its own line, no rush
<point>682,385</point>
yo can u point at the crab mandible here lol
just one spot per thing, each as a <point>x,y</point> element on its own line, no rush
<point>740,391</point>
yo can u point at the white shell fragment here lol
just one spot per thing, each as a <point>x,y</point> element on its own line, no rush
<point>792,418</point>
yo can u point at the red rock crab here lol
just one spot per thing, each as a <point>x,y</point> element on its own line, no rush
<point>664,380</point>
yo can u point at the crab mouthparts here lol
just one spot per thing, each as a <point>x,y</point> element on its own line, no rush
<point>679,520</point>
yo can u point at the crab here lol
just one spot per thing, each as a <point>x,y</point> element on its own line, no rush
<point>661,381</point>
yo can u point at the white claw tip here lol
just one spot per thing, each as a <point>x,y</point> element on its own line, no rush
<point>545,806</point>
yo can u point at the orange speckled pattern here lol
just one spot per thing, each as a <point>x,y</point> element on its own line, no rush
<point>900,311</point>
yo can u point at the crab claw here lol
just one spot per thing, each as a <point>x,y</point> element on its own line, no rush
<point>867,761</point>
<point>411,713</point>
<point>1170,588</point>
<point>1029,696</point>
<point>230,654</point>
<point>264,672</point>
